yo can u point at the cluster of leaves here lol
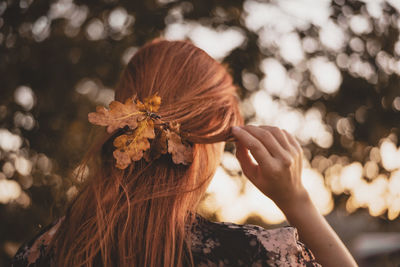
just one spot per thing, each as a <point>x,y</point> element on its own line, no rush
<point>140,123</point>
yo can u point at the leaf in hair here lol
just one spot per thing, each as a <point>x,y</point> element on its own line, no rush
<point>130,147</point>
<point>151,103</point>
<point>158,146</point>
<point>118,115</point>
<point>138,117</point>
<point>180,152</point>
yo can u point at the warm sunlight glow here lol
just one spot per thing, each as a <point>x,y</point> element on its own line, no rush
<point>9,141</point>
<point>235,198</point>
<point>390,155</point>
<point>218,43</point>
<point>9,190</point>
<point>320,195</point>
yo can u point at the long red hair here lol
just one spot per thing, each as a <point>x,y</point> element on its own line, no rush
<point>138,217</point>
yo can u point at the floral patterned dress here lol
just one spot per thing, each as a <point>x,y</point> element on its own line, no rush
<point>213,244</point>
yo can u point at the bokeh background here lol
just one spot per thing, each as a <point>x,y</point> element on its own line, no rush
<point>326,71</point>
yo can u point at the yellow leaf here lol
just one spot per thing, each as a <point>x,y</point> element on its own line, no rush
<point>130,147</point>
<point>151,103</point>
<point>118,115</point>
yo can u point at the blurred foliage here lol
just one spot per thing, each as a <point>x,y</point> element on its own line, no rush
<point>58,59</point>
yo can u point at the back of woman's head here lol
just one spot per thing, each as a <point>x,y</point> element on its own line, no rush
<point>139,216</point>
<point>195,89</point>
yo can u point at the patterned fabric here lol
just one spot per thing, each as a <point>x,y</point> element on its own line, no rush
<point>33,253</point>
<point>213,244</point>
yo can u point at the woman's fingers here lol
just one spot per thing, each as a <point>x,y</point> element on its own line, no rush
<point>246,163</point>
<point>297,148</point>
<point>257,149</point>
<point>279,158</point>
<point>279,136</point>
<point>270,143</point>
<point>293,141</point>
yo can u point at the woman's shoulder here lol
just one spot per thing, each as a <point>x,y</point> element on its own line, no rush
<point>248,242</point>
<point>33,252</point>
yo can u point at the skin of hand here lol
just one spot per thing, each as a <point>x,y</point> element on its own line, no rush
<point>278,176</point>
<point>279,157</point>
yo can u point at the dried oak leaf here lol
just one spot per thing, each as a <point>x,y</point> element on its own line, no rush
<point>151,103</point>
<point>180,153</point>
<point>158,146</point>
<point>174,126</point>
<point>130,147</point>
<point>118,115</point>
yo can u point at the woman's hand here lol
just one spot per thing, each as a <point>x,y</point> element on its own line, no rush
<point>278,176</point>
<point>279,157</point>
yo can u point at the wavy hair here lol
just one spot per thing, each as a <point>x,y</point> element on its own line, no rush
<point>140,216</point>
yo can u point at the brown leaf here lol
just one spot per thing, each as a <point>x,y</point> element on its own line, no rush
<point>118,115</point>
<point>180,153</point>
<point>158,147</point>
<point>130,147</point>
<point>162,144</point>
<point>138,116</point>
<point>151,103</point>
<point>123,159</point>
<point>174,126</point>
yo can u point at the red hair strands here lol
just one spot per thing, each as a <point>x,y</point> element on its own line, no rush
<point>138,216</point>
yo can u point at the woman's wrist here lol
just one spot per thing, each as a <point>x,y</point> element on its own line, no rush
<point>296,204</point>
<point>316,233</point>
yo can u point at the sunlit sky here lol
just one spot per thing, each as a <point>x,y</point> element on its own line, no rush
<point>231,196</point>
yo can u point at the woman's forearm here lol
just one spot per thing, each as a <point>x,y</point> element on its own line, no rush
<point>278,176</point>
<point>317,234</point>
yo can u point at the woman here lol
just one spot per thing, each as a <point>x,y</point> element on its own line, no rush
<point>140,209</point>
